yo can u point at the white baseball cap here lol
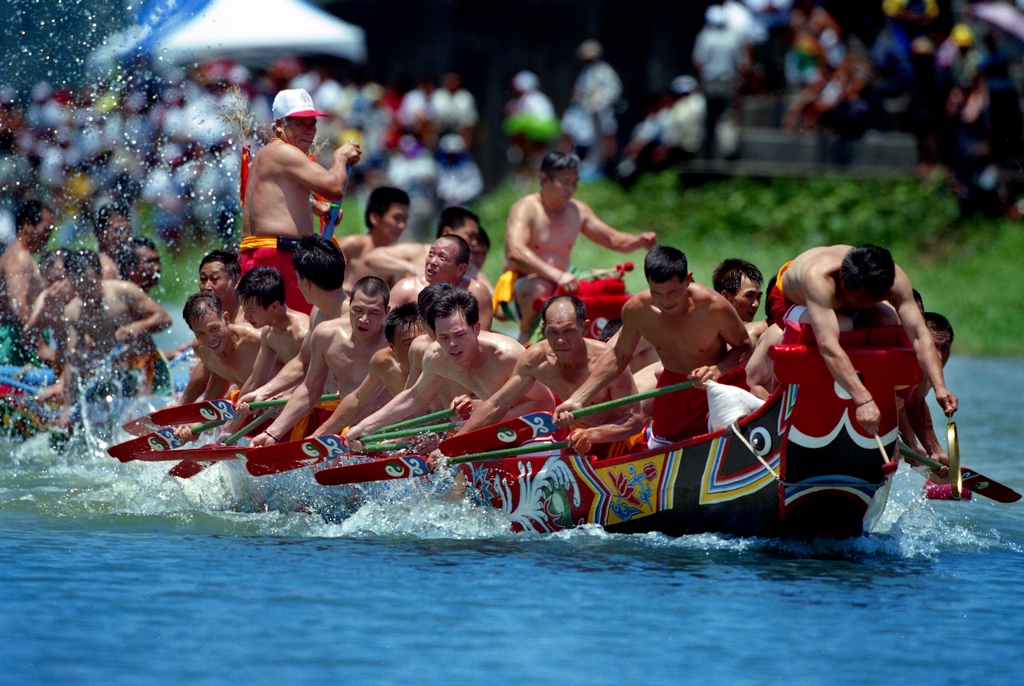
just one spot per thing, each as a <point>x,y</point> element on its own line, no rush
<point>294,102</point>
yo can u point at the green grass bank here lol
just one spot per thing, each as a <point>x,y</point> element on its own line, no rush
<point>970,270</point>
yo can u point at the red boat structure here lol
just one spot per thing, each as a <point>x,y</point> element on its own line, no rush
<point>804,466</point>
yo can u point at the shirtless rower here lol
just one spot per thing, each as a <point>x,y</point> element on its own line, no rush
<point>105,313</point>
<point>915,417</point>
<point>113,229</point>
<point>692,328</point>
<point>20,281</point>
<point>228,350</point>
<point>739,282</point>
<point>261,294</point>
<point>139,263</point>
<point>48,312</point>
<point>320,268</point>
<point>219,272</point>
<point>542,230</point>
<point>342,353</point>
<point>277,210</point>
<point>562,362</point>
<point>446,261</point>
<point>387,211</point>
<point>838,288</point>
<point>447,390</point>
<point>452,221</point>
<point>480,361</point>
<point>389,369</point>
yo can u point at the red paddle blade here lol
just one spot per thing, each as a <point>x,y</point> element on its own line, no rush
<point>186,469</point>
<point>982,485</point>
<point>404,467</point>
<point>319,448</point>
<point>194,413</point>
<point>508,434</point>
<point>160,440</point>
<point>206,453</point>
<point>268,468</point>
<point>140,426</point>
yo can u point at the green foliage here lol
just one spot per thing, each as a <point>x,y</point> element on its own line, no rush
<point>968,270</point>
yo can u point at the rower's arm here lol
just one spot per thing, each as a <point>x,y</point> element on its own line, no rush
<point>494,408</point>
<point>262,368</point>
<point>927,355</point>
<point>608,367</point>
<point>601,233</point>
<point>23,283</point>
<point>734,333</point>
<point>329,183</point>
<point>150,317</point>
<point>402,406</point>
<point>351,405</point>
<point>517,246</point>
<point>483,299</point>
<point>197,381</point>
<point>920,419</point>
<point>305,396</point>
<point>216,386</point>
<point>826,331</point>
<point>290,376</point>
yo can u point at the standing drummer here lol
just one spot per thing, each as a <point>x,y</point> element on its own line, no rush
<point>277,210</point>
<point>542,230</point>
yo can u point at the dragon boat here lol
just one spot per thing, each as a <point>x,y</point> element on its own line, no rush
<point>802,465</point>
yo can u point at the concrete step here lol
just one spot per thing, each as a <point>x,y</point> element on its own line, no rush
<point>882,149</point>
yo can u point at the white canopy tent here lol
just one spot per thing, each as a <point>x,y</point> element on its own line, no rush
<point>256,32</point>
<point>259,31</point>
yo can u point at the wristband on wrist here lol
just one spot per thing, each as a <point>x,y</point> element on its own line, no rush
<point>869,400</point>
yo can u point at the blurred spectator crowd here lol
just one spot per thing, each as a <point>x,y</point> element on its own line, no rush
<point>161,149</point>
<point>942,73</point>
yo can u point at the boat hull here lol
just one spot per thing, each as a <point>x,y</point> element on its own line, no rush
<point>832,479</point>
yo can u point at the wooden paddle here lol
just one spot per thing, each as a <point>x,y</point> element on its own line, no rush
<point>225,451</point>
<point>536,425</point>
<point>407,466</point>
<point>163,439</point>
<point>408,423</point>
<point>208,410</point>
<point>978,483</point>
<point>509,434</point>
<point>188,468</point>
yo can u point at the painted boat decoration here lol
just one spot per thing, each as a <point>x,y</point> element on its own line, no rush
<point>831,480</point>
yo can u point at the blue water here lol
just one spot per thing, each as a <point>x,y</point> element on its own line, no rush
<point>116,574</point>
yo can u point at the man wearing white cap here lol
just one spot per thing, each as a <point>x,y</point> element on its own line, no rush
<point>277,210</point>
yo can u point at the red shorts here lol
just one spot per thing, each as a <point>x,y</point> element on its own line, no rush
<point>684,414</point>
<point>281,260</point>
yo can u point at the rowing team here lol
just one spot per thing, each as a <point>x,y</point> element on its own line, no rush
<point>393,360</point>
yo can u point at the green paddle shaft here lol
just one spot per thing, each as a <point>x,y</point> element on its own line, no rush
<point>402,433</point>
<point>509,452</point>
<point>261,404</point>
<point>419,421</point>
<point>926,461</point>
<point>612,404</point>
<point>384,447</point>
<point>200,428</point>
<point>237,436</point>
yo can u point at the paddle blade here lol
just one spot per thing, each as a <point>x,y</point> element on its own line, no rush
<point>404,467</point>
<point>323,447</point>
<point>268,468</point>
<point>207,453</point>
<point>140,426</point>
<point>161,440</point>
<point>186,469</point>
<point>982,485</point>
<point>508,434</point>
<point>207,411</point>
